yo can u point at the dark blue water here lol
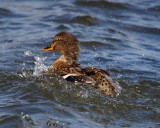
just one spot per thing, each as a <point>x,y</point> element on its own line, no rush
<point>121,36</point>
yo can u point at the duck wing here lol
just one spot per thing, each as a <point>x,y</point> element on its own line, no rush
<point>79,78</point>
<point>74,74</point>
<point>104,83</point>
<point>89,71</point>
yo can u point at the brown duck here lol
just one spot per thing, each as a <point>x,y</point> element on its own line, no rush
<point>68,45</point>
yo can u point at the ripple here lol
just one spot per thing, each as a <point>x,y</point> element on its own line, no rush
<point>10,14</point>
<point>113,39</point>
<point>10,121</point>
<point>140,29</point>
<point>102,4</point>
<point>62,27</point>
<point>85,20</point>
<point>5,12</point>
<point>92,43</point>
<point>155,8</point>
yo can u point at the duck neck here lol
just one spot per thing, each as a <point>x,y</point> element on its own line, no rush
<point>68,60</point>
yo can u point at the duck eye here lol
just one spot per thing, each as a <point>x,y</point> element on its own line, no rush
<point>58,39</point>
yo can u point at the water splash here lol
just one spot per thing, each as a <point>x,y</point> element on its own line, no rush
<point>23,72</point>
<point>118,88</point>
<point>27,121</point>
<point>39,67</point>
<point>28,53</point>
<point>55,123</point>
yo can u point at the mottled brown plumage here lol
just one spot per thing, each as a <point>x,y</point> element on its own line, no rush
<point>68,45</point>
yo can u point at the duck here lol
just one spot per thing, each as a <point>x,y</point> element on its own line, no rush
<point>68,67</point>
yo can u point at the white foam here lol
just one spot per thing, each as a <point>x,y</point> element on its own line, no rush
<point>39,67</point>
<point>28,53</point>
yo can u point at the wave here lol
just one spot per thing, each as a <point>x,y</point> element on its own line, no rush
<point>102,4</point>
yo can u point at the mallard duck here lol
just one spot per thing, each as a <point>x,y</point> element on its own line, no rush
<point>68,45</point>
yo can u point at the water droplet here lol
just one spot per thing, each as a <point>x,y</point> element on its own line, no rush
<point>39,65</point>
<point>28,53</point>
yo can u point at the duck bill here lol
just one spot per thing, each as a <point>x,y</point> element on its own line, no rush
<point>47,49</point>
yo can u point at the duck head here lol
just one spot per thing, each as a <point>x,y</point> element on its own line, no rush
<point>66,43</point>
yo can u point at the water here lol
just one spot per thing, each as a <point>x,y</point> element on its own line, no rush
<point>120,36</point>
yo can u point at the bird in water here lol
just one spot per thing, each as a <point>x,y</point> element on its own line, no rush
<point>68,45</point>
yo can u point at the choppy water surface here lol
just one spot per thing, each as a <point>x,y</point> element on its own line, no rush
<point>120,36</point>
